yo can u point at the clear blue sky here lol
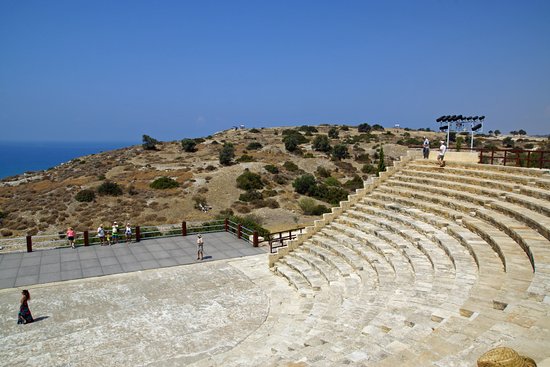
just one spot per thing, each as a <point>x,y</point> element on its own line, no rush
<point>114,70</point>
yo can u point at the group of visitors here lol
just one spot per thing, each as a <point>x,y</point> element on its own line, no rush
<point>112,237</point>
<point>105,237</point>
<point>440,153</point>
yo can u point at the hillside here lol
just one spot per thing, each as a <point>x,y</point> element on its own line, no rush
<point>44,202</point>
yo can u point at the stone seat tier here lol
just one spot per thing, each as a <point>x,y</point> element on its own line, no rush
<point>431,236</point>
<point>527,177</point>
<point>536,219</point>
<point>526,192</point>
<point>448,282</point>
<point>513,259</point>
<point>459,200</point>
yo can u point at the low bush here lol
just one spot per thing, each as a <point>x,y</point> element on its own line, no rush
<point>271,169</point>
<point>249,181</point>
<point>290,166</point>
<point>84,196</point>
<point>189,145</point>
<point>163,183</point>
<point>332,181</point>
<point>355,183</point>
<point>250,195</point>
<point>245,158</point>
<point>254,146</point>
<point>309,207</point>
<point>109,188</point>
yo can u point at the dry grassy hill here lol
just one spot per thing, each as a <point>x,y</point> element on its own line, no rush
<point>44,202</point>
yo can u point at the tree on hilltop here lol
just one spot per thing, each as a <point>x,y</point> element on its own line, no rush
<point>189,145</point>
<point>149,143</point>
<point>364,128</point>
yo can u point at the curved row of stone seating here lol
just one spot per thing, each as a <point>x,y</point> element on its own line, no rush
<point>417,273</point>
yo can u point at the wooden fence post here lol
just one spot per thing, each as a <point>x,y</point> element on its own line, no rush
<point>226,224</point>
<point>255,239</point>
<point>239,231</point>
<point>86,239</point>
<point>29,243</point>
<point>138,234</point>
<point>184,228</point>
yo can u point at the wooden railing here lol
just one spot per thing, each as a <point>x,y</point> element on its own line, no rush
<point>89,238</point>
<point>515,157</point>
<point>278,239</point>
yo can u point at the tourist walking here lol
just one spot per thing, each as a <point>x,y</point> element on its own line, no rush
<point>441,154</point>
<point>200,247</point>
<point>114,233</point>
<point>70,236</point>
<point>128,232</point>
<point>101,234</point>
<point>25,315</point>
<point>426,148</point>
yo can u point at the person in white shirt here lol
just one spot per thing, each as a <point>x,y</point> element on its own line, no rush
<point>441,154</point>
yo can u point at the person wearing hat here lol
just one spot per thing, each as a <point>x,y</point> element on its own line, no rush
<point>114,232</point>
<point>441,154</point>
<point>200,247</point>
<point>504,357</point>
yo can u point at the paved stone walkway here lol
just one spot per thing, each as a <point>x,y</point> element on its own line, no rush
<point>46,266</point>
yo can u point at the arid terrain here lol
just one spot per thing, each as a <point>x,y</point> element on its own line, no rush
<point>44,201</point>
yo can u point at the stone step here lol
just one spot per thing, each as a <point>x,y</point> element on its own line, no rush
<point>536,218</point>
<point>311,274</point>
<point>335,242</point>
<point>294,278</point>
<point>442,175</point>
<point>448,245</point>
<point>326,255</point>
<point>324,268</point>
<point>528,177</point>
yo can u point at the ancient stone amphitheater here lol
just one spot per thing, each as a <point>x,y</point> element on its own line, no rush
<point>423,267</point>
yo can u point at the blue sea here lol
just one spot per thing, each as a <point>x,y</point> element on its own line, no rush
<point>19,157</point>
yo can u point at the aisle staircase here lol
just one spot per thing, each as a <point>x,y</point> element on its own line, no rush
<point>425,266</point>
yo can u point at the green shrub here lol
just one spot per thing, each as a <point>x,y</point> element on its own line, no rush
<point>377,127</point>
<point>308,129</point>
<point>164,182</point>
<point>290,166</point>
<point>85,196</point>
<point>363,158</point>
<point>305,184</point>
<point>321,143</point>
<point>330,194</point>
<point>340,151</point>
<point>368,168</point>
<point>364,128</point>
<point>269,193</point>
<point>109,188</point>
<point>189,145</point>
<point>333,133</point>
<point>381,161</point>
<point>254,130</point>
<point>355,183</point>
<point>309,207</point>
<point>271,168</point>
<point>266,203</point>
<point>227,153</point>
<point>332,181</point>
<point>280,179</point>
<point>149,143</point>
<point>250,195</point>
<point>249,181</point>
<point>254,146</point>
<point>245,158</point>
<point>323,172</point>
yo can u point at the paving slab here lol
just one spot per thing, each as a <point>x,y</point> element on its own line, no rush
<point>41,266</point>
